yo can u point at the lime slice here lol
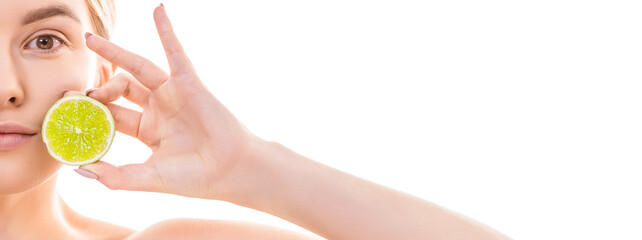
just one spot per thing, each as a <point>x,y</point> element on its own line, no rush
<point>78,130</point>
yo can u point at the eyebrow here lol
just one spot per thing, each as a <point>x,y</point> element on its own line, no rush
<point>47,12</point>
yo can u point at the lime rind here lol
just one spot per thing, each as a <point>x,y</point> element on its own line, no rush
<point>78,139</point>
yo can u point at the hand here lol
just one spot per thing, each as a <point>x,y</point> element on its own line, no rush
<point>196,141</point>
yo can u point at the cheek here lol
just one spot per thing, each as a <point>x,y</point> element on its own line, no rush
<point>50,78</point>
<point>43,82</point>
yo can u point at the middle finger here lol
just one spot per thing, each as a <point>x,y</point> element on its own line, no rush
<point>124,85</point>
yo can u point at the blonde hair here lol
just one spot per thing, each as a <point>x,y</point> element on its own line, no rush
<point>103,16</point>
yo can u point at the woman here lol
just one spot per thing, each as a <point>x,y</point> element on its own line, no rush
<point>46,52</point>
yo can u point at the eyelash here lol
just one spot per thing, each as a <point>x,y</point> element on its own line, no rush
<point>47,51</point>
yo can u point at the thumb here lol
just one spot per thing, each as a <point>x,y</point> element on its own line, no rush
<point>134,177</point>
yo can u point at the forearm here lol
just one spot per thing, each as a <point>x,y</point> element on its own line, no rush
<point>337,205</point>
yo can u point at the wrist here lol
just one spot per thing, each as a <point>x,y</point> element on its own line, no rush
<point>253,174</point>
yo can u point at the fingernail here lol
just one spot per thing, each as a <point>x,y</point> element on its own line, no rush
<point>163,6</point>
<point>63,93</point>
<point>90,91</point>
<point>86,173</point>
<point>87,35</point>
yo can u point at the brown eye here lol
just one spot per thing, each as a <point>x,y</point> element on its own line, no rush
<point>45,42</point>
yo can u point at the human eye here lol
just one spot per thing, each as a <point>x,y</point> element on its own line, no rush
<point>46,44</point>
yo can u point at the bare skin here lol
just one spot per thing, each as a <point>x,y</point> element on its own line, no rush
<point>32,77</point>
<point>202,154</point>
<point>31,80</point>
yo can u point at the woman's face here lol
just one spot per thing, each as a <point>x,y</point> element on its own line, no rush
<point>42,54</point>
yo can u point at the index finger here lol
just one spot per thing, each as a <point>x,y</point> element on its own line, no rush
<point>146,72</point>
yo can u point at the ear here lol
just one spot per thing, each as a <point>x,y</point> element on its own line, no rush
<point>107,71</point>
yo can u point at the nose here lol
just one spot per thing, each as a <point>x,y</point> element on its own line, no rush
<point>11,93</point>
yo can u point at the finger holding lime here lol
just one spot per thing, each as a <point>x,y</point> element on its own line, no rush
<point>78,130</point>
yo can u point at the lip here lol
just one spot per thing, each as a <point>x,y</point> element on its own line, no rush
<point>14,135</point>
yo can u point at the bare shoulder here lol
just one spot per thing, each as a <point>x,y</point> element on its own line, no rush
<point>184,228</point>
<point>87,228</point>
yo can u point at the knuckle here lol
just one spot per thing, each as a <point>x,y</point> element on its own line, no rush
<point>138,68</point>
<point>116,55</point>
<point>166,32</point>
<point>122,83</point>
<point>117,80</point>
<point>173,52</point>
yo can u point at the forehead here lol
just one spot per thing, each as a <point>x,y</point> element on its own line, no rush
<point>14,12</point>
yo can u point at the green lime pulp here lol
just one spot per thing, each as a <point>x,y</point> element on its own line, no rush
<point>78,130</point>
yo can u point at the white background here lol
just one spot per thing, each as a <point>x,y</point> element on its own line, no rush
<point>524,115</point>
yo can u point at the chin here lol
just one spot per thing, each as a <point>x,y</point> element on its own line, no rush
<point>24,169</point>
